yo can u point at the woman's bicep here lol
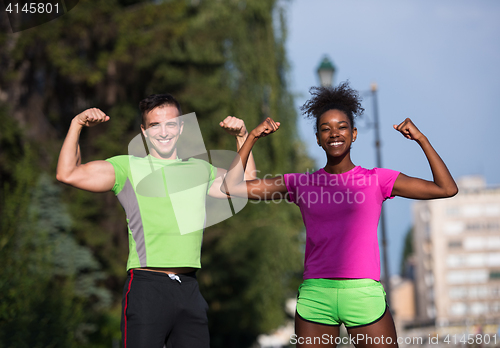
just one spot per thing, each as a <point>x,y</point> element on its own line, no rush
<point>270,188</point>
<point>258,189</point>
<point>416,188</point>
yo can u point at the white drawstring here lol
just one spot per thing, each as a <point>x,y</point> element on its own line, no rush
<point>174,277</point>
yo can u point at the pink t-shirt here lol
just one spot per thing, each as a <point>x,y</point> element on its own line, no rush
<point>341,214</point>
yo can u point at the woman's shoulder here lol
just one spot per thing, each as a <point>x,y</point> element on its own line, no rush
<point>306,173</point>
<point>376,170</point>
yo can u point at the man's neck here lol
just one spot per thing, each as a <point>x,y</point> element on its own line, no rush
<point>172,156</point>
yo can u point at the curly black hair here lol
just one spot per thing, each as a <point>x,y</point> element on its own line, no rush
<point>342,98</point>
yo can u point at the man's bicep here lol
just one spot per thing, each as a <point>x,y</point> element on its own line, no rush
<point>95,176</point>
<point>215,188</point>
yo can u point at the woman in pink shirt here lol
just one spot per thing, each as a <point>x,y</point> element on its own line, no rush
<point>340,206</point>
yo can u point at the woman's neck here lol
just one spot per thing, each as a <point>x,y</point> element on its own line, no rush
<point>339,165</point>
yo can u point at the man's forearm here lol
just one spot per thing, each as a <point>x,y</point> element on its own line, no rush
<point>69,157</point>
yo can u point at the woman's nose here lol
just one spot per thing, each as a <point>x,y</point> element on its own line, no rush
<point>334,133</point>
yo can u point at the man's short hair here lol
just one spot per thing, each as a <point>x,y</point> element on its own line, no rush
<point>157,100</point>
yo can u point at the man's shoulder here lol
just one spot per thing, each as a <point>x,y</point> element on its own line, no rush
<point>199,161</point>
<point>126,159</point>
<point>128,163</point>
<point>119,158</point>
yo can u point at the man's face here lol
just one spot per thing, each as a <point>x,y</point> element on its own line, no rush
<point>162,128</point>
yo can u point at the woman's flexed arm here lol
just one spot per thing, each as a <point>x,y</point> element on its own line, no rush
<point>442,185</point>
<point>234,183</point>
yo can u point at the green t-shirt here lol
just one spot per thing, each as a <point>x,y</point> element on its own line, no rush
<point>164,201</point>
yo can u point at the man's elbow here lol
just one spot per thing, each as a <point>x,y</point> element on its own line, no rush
<point>60,177</point>
<point>224,191</point>
<point>64,178</point>
<point>250,175</point>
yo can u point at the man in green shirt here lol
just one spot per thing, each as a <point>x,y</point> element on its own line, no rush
<point>164,199</point>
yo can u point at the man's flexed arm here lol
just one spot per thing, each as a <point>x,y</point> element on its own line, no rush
<point>236,127</point>
<point>96,176</point>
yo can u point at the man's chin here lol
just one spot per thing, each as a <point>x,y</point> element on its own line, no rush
<point>165,151</point>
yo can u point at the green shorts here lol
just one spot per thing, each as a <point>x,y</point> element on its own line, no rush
<point>353,302</point>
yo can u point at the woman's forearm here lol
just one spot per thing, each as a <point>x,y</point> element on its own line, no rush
<point>440,173</point>
<point>251,168</point>
<point>236,174</point>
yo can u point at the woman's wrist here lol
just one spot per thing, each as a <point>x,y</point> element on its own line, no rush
<point>422,140</point>
<point>253,136</point>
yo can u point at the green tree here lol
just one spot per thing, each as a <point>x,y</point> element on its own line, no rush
<point>49,296</point>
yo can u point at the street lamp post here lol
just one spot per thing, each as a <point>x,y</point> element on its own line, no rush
<point>382,215</point>
<point>325,72</point>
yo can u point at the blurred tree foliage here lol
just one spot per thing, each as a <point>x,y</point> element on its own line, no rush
<point>48,281</point>
<point>63,251</point>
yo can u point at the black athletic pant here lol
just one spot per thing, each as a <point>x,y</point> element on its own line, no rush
<point>158,310</point>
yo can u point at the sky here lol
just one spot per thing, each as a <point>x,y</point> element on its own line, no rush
<point>436,62</point>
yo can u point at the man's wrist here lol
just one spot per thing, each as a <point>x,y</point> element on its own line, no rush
<point>242,138</point>
<point>76,123</point>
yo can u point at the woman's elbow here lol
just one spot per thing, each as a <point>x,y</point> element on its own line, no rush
<point>452,191</point>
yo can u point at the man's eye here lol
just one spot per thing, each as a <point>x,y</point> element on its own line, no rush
<point>155,126</point>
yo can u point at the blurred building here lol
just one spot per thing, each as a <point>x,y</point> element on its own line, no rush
<point>402,300</point>
<point>457,256</point>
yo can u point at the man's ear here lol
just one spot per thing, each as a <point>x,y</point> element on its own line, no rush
<point>182,127</point>
<point>143,130</point>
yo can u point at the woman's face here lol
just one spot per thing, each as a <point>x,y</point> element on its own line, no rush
<point>335,133</point>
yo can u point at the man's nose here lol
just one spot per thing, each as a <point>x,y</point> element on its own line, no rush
<point>163,130</point>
